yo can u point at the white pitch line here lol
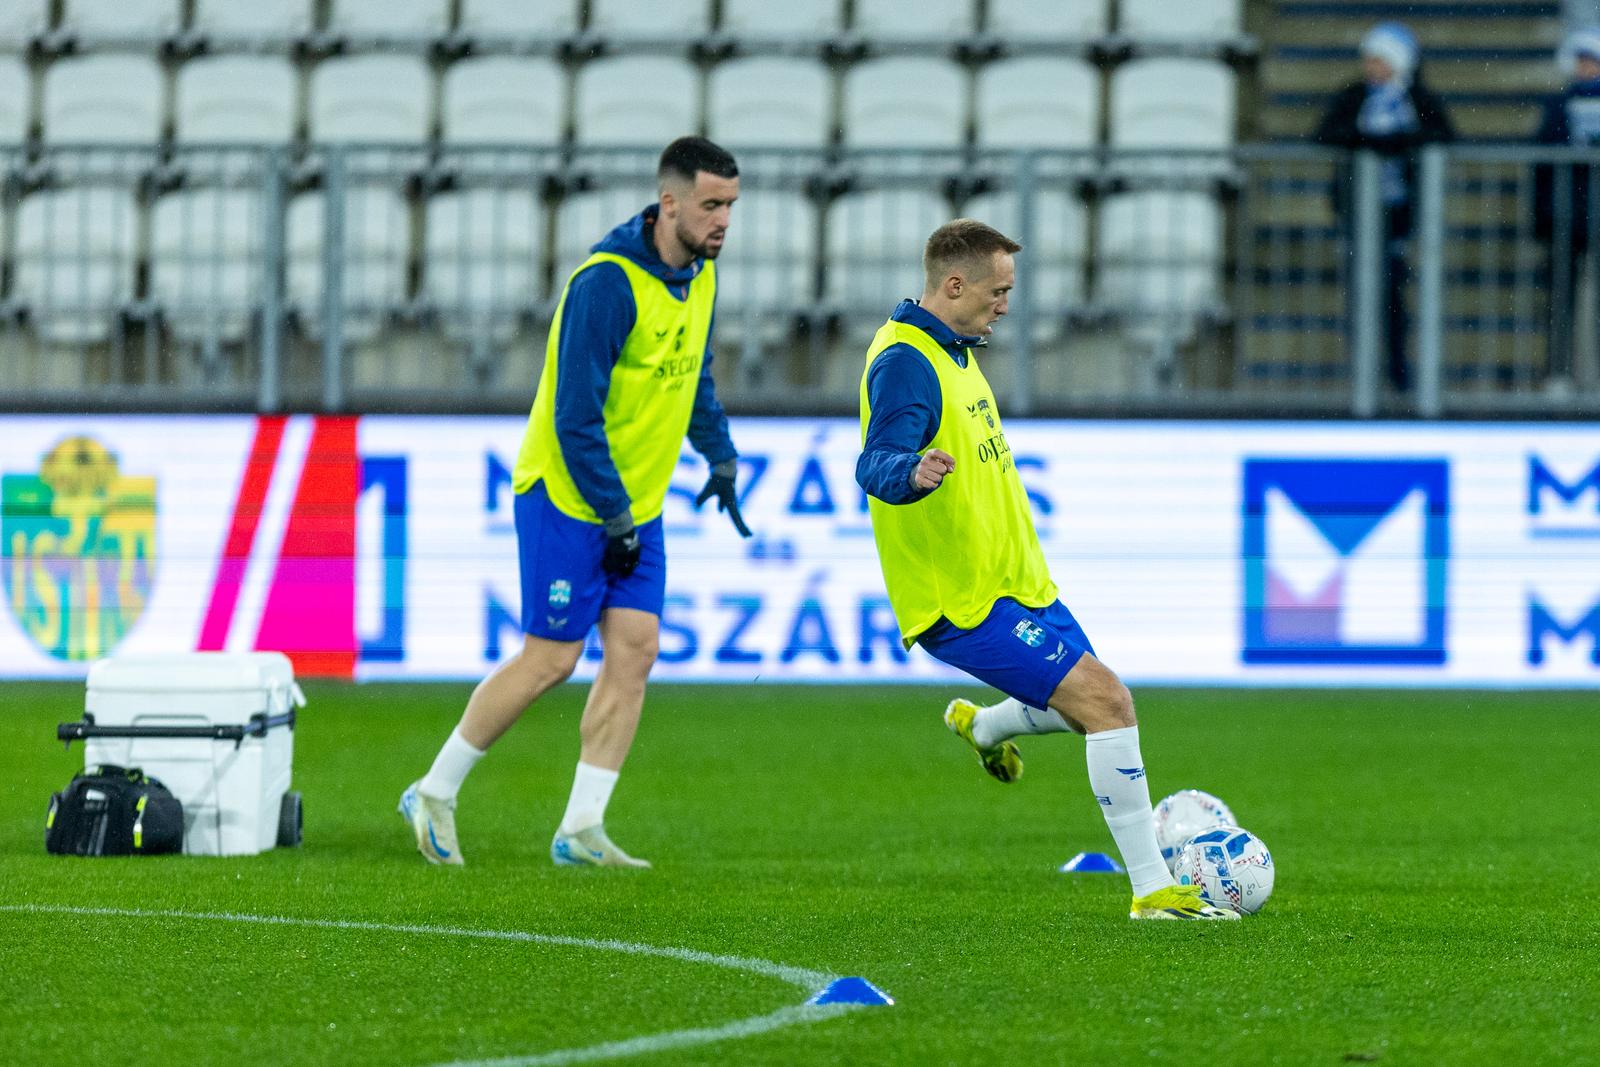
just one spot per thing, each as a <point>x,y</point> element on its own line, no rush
<point>808,980</point>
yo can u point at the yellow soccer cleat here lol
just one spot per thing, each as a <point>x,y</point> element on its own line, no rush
<point>1003,761</point>
<point>1177,902</point>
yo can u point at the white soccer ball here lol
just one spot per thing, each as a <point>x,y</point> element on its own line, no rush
<point>1184,814</point>
<point>1231,866</point>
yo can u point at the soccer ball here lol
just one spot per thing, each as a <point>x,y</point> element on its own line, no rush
<point>1184,814</point>
<point>1231,866</point>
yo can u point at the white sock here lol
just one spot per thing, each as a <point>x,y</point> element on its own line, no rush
<point>1116,774</point>
<point>591,791</point>
<point>450,767</point>
<point>1012,718</point>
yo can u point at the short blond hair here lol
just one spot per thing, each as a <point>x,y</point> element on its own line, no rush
<point>965,245</point>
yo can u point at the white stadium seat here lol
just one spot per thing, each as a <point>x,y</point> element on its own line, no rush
<point>1054,255</point>
<point>584,218</point>
<point>233,99</point>
<point>503,100</point>
<point>1038,102</point>
<point>107,98</point>
<point>121,20</point>
<point>392,19</point>
<point>22,21</point>
<point>257,20</point>
<point>376,252</point>
<point>371,99</point>
<point>16,90</point>
<point>893,20</point>
<point>643,100</point>
<point>484,250</point>
<point>1034,19</point>
<point>1160,254</point>
<point>785,102</point>
<point>769,262</point>
<point>874,249</point>
<point>1172,103</point>
<point>75,261</point>
<point>529,19</point>
<point>206,261</point>
<point>1163,20</point>
<point>792,18</point>
<point>905,102</point>
<point>656,20</point>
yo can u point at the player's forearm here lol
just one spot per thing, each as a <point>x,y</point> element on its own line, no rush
<point>886,475</point>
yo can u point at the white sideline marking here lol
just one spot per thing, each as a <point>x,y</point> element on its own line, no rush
<point>808,980</point>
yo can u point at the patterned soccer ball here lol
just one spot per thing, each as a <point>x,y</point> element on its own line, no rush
<point>1184,814</point>
<point>1231,866</point>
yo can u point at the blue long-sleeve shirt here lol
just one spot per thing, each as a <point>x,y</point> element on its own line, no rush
<point>906,400</point>
<point>596,319</point>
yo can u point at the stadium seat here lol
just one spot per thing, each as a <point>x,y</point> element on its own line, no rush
<point>503,100</point>
<point>376,255</point>
<point>1025,20</point>
<point>1054,254</point>
<point>1038,102</point>
<point>635,100</point>
<point>584,218</point>
<point>22,22</point>
<point>1163,20</point>
<point>1160,255</point>
<point>874,247</point>
<point>894,20</point>
<point>905,102</point>
<point>16,90</point>
<point>483,263</point>
<point>114,99</point>
<point>121,20</point>
<point>656,21</point>
<point>769,263</point>
<point>785,102</point>
<point>519,19</point>
<point>793,18</point>
<point>270,21</point>
<point>371,99</point>
<point>1172,103</point>
<point>206,262</point>
<point>389,19</point>
<point>232,99</point>
<point>76,257</point>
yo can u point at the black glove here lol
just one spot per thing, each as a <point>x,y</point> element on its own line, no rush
<point>622,550</point>
<point>720,485</point>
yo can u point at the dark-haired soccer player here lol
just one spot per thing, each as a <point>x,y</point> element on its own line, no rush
<point>961,558</point>
<point>627,373</point>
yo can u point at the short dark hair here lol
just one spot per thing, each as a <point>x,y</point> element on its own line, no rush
<point>688,156</point>
<point>962,243</point>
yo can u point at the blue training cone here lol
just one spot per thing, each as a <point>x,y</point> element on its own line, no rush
<point>851,991</point>
<point>1092,863</point>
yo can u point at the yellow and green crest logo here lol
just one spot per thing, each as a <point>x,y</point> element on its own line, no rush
<point>79,549</point>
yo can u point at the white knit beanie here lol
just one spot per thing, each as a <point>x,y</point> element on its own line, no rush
<point>1396,45</point>
<point>1584,42</point>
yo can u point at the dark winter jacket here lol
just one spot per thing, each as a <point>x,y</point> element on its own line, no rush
<point>1570,117</point>
<point>1339,128</point>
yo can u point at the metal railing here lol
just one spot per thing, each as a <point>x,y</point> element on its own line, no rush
<point>1255,281</point>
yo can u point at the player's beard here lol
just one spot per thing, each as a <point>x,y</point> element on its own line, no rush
<point>700,249</point>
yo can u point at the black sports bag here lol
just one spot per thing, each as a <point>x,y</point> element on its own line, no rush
<point>113,811</point>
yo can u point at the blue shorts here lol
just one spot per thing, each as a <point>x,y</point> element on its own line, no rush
<point>1023,652</point>
<point>564,589</point>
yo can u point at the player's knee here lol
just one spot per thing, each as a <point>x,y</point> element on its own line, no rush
<point>549,663</point>
<point>638,650</point>
<point>1119,706</point>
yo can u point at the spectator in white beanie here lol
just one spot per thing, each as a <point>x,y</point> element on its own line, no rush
<point>1388,111</point>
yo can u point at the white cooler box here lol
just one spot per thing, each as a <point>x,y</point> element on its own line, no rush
<point>217,728</point>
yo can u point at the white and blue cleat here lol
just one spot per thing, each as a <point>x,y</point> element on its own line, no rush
<point>590,848</point>
<point>433,821</point>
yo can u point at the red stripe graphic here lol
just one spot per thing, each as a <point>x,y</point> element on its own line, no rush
<point>310,613</point>
<point>242,532</point>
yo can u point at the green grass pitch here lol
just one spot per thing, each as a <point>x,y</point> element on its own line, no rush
<point>1435,851</point>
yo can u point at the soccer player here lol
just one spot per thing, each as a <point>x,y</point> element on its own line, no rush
<point>627,373</point>
<point>961,559</point>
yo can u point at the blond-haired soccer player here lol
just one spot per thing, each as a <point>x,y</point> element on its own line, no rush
<point>962,561</point>
<point>627,374</point>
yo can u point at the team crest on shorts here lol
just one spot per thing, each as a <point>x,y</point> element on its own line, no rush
<point>560,593</point>
<point>1029,633</point>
